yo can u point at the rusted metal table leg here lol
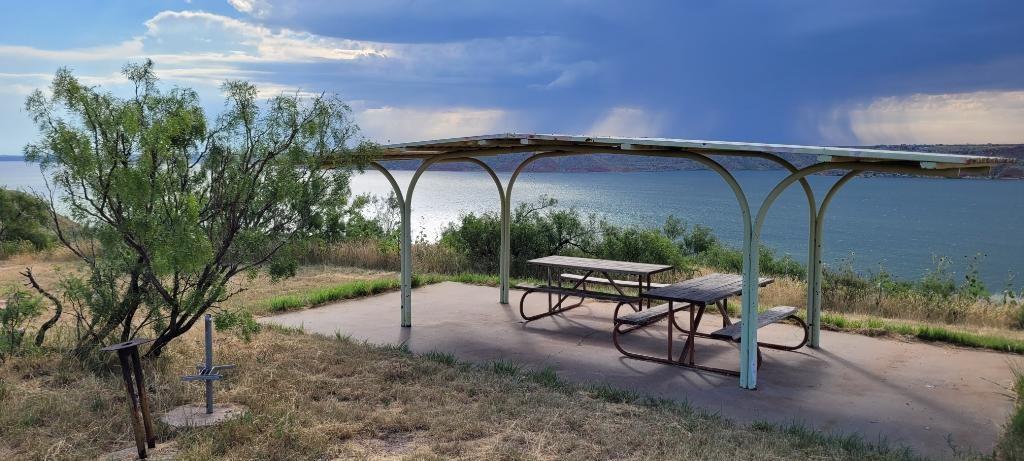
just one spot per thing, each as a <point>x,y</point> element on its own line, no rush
<point>671,320</point>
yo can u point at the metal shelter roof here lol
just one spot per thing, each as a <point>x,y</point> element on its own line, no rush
<point>495,144</point>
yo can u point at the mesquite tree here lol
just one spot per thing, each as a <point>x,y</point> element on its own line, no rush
<point>171,207</point>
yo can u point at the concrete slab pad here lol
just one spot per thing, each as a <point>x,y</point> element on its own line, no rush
<point>910,393</point>
<point>194,415</point>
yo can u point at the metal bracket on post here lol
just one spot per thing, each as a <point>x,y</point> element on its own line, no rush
<point>208,372</point>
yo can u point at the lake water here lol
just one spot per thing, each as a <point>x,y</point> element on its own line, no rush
<point>900,223</point>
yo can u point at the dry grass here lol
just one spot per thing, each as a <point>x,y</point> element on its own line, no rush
<point>978,315</point>
<point>427,257</point>
<point>320,398</point>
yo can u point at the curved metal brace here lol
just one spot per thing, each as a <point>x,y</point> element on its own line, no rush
<point>748,348</point>
<point>503,264</point>
<point>849,166</point>
<point>407,224</point>
<point>819,234</point>
<point>854,168</point>
<point>812,208</point>
<point>394,184</point>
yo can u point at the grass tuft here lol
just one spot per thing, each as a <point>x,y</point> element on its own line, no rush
<point>613,394</point>
<point>546,377</point>
<point>1011,446</point>
<point>442,358</point>
<point>505,368</point>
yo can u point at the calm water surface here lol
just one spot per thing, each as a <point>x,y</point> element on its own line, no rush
<point>901,223</point>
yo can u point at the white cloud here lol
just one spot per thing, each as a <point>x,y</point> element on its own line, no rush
<point>197,36</point>
<point>628,121</point>
<point>957,118</point>
<point>124,49</point>
<point>257,8</point>
<point>401,124</point>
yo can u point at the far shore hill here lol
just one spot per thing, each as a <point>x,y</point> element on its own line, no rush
<point>614,163</point>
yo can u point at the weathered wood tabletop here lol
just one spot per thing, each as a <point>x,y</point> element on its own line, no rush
<point>600,265</point>
<point>703,290</point>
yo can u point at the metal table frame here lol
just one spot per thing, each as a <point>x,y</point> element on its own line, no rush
<point>690,296</point>
<point>603,268</point>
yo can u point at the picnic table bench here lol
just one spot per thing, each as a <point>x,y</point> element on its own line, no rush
<point>595,271</point>
<point>694,296</point>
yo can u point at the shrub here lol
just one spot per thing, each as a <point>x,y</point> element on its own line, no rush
<point>19,309</point>
<point>537,230</point>
<point>24,223</point>
<point>639,245</point>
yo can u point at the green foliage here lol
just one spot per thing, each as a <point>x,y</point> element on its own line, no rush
<point>24,223</point>
<point>19,308</point>
<point>1011,445</point>
<point>937,294</point>
<point>173,206</point>
<point>537,230</point>
<point>639,245</point>
<point>505,368</point>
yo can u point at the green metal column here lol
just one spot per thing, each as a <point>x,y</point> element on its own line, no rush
<point>812,209</point>
<point>503,256</point>
<point>407,242</point>
<point>406,255</point>
<point>405,248</point>
<point>504,252</point>
<point>819,233</point>
<point>814,271</point>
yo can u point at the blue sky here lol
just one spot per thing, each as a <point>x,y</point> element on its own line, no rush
<point>810,72</point>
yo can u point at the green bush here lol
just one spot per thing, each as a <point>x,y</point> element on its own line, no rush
<point>19,309</point>
<point>24,223</point>
<point>639,245</point>
<point>537,230</point>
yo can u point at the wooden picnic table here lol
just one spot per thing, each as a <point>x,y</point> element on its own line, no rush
<point>694,296</point>
<point>595,271</point>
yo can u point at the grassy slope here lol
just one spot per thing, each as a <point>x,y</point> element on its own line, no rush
<point>313,397</point>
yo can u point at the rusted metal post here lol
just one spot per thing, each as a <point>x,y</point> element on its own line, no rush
<point>135,387</point>
<point>140,386</point>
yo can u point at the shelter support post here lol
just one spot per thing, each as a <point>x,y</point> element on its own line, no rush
<point>405,247</point>
<point>814,269</point>
<point>814,307</point>
<point>505,251</point>
<point>407,229</point>
<point>812,239</point>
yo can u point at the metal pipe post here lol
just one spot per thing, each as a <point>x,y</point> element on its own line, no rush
<point>208,321</point>
<point>819,238</point>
